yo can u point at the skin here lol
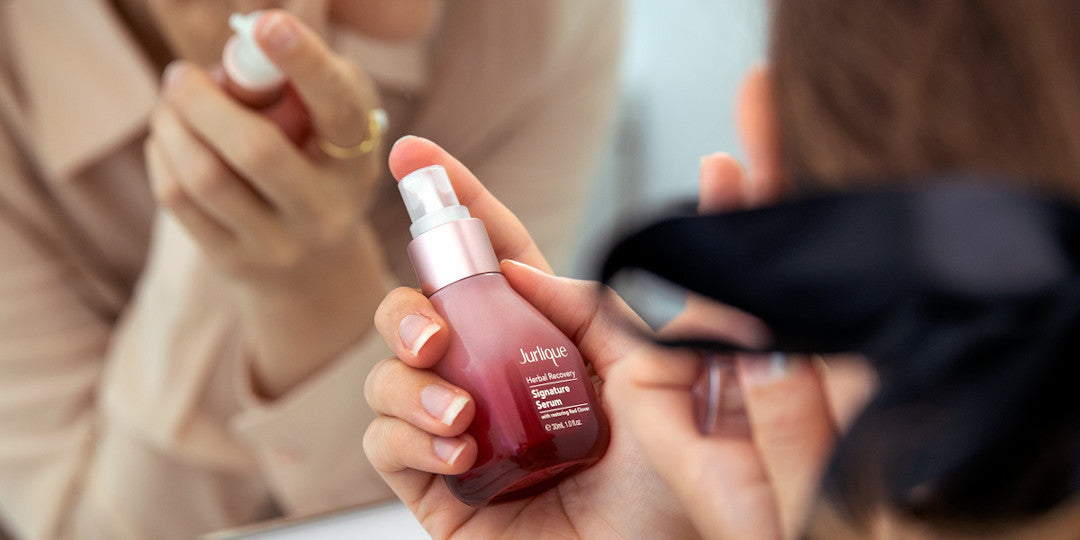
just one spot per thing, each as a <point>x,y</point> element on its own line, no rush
<point>759,482</point>
<point>756,486</point>
<point>196,30</point>
<point>285,224</point>
<point>620,496</point>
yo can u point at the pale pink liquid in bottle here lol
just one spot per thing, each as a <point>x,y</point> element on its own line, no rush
<point>537,419</point>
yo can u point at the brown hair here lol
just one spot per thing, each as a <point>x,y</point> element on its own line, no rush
<point>871,88</point>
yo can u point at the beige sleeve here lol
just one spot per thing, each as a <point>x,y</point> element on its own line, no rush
<point>177,376</point>
<point>310,442</point>
<point>144,427</point>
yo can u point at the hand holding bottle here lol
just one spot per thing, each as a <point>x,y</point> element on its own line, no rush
<point>755,474</point>
<point>287,224</point>
<point>248,75</point>
<point>423,418</point>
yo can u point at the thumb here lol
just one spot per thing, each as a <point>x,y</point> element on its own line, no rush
<point>595,318</point>
<point>721,181</point>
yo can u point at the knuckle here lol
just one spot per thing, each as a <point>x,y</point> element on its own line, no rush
<point>353,120</point>
<point>283,256</point>
<point>341,73</point>
<point>344,69</point>
<point>206,178</point>
<point>181,91</point>
<point>376,381</point>
<point>345,79</point>
<point>380,438</point>
<point>333,227</point>
<point>169,194</point>
<point>391,309</point>
<point>172,197</point>
<point>393,300</point>
<point>785,432</point>
<point>258,153</point>
<point>781,426</point>
<point>374,435</point>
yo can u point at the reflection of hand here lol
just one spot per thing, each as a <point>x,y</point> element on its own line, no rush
<point>743,483</point>
<point>285,223</point>
<point>420,431</point>
<point>755,484</point>
<point>259,206</point>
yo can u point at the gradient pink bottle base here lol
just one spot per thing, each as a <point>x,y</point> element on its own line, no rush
<point>537,418</point>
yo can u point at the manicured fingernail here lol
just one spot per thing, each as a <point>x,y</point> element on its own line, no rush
<point>522,265</point>
<point>172,74</point>
<point>278,33</point>
<point>442,403</point>
<point>765,370</point>
<point>448,449</point>
<point>415,330</point>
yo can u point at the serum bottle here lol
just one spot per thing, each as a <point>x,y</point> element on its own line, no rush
<point>250,76</point>
<point>255,81</point>
<point>538,419</point>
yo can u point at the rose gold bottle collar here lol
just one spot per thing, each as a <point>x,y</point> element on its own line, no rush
<point>451,252</point>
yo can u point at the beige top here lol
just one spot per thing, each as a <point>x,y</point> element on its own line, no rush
<point>125,408</point>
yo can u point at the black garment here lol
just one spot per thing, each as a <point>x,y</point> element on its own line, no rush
<point>965,296</point>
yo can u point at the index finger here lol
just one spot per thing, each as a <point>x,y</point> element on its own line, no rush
<point>250,144</point>
<point>508,235</point>
<point>337,94</point>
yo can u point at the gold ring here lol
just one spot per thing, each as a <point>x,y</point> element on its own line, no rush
<point>377,123</point>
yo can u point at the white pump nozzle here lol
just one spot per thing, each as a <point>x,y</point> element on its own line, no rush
<point>244,61</point>
<point>430,199</point>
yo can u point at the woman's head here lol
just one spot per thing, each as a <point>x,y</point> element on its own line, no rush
<point>880,87</point>
<point>887,89</point>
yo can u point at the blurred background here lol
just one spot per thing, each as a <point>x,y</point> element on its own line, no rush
<point>682,65</point>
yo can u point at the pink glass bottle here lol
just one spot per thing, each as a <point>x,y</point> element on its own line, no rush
<point>538,419</point>
<point>254,80</point>
<point>250,76</point>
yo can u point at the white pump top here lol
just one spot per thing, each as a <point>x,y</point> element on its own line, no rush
<point>430,199</point>
<point>244,60</point>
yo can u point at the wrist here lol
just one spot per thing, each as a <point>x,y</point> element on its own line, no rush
<point>295,326</point>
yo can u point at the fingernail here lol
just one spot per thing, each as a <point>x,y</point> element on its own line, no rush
<point>405,137</point>
<point>172,74</point>
<point>442,403</point>
<point>522,265</point>
<point>768,369</point>
<point>448,449</point>
<point>278,33</point>
<point>415,330</point>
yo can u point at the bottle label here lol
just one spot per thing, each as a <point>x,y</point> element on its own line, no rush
<point>556,389</point>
